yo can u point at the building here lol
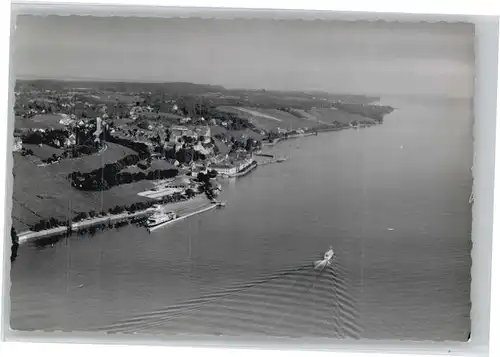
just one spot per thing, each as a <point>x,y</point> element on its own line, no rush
<point>18,144</point>
<point>66,120</point>
<point>202,150</point>
<point>179,184</point>
<point>226,170</point>
<point>191,134</point>
<point>177,132</point>
<point>70,141</point>
<point>98,130</point>
<point>205,132</point>
<point>135,111</point>
<point>179,127</point>
<point>175,135</point>
<point>234,168</point>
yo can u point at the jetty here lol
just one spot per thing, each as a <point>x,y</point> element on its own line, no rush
<point>181,217</point>
<point>270,158</point>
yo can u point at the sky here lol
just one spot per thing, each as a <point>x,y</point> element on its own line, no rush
<point>373,58</point>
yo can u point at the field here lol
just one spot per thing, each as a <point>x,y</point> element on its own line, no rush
<point>112,153</point>
<point>39,121</point>
<point>112,98</point>
<point>51,194</point>
<point>330,115</point>
<point>268,119</point>
<point>216,129</point>
<point>161,165</point>
<point>163,117</point>
<point>272,119</point>
<point>43,152</point>
<point>223,148</point>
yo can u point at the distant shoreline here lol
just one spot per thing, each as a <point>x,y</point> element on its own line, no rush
<point>298,114</point>
<point>33,79</point>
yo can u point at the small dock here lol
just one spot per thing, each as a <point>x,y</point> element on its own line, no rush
<point>181,217</point>
<point>273,160</point>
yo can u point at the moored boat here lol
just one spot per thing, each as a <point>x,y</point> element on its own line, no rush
<point>160,218</point>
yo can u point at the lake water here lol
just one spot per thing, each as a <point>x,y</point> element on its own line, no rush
<point>392,200</point>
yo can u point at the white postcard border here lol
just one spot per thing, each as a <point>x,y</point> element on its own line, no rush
<point>486,222</point>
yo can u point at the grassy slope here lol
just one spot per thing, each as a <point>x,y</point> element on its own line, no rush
<point>113,153</point>
<point>271,119</point>
<point>51,194</point>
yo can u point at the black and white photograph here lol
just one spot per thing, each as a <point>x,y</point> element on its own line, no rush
<point>242,177</point>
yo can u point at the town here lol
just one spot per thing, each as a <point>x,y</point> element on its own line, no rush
<point>87,150</point>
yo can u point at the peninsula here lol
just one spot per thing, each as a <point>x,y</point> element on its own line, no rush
<point>90,155</point>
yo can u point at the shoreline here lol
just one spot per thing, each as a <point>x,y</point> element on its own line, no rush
<point>128,217</point>
<point>29,236</point>
<point>317,132</point>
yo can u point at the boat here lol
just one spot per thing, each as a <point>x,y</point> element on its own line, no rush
<point>326,261</point>
<point>219,204</point>
<point>329,254</point>
<point>160,218</point>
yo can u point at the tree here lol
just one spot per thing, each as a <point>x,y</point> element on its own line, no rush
<point>212,173</point>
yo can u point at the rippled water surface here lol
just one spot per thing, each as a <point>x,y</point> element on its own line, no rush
<point>392,200</point>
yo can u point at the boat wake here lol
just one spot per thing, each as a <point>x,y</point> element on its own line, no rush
<point>296,302</point>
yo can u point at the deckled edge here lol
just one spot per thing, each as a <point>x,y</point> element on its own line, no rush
<point>132,11</point>
<point>230,13</point>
